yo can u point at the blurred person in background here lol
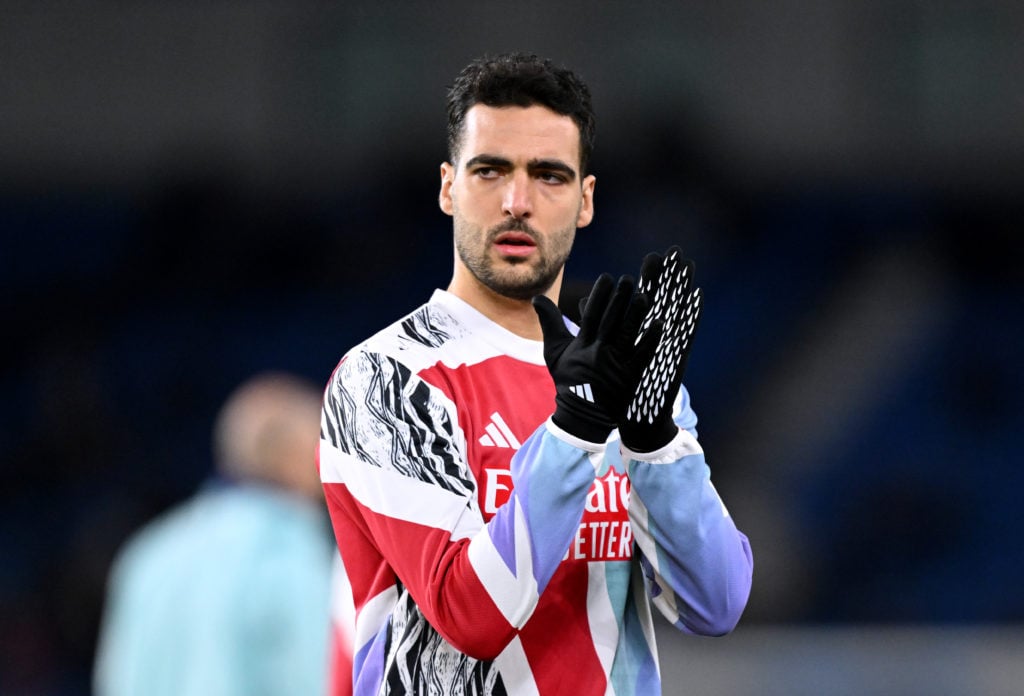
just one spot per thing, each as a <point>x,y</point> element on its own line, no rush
<point>229,592</point>
<point>492,546</point>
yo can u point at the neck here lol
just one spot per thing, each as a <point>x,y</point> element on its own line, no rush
<point>517,316</point>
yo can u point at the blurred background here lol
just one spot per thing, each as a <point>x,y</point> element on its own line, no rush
<point>192,192</point>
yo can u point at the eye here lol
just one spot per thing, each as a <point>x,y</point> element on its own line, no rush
<point>552,177</point>
<point>486,172</point>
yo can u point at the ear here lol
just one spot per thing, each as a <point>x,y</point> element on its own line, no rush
<point>587,203</point>
<point>444,198</point>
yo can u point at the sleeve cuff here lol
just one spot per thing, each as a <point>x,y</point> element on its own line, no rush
<point>682,445</point>
<point>584,445</point>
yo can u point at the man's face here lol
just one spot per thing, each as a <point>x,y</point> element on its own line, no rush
<point>517,197</point>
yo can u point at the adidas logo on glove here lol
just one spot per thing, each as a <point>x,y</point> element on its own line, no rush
<point>583,391</point>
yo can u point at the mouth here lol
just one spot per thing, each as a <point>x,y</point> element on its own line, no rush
<point>515,244</point>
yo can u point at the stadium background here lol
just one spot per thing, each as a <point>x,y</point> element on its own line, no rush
<point>191,192</point>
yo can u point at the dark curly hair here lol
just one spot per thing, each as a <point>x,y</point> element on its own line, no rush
<point>520,79</point>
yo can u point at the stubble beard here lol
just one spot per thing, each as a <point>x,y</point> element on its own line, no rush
<point>521,282</point>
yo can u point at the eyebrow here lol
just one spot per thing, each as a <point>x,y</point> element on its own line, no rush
<point>534,165</point>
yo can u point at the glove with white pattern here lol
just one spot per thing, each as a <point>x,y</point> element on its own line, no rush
<point>647,424</point>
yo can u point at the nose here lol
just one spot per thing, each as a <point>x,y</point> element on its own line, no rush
<point>518,198</point>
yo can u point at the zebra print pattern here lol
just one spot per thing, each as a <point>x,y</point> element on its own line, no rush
<point>398,423</point>
<point>422,662</point>
<point>427,327</point>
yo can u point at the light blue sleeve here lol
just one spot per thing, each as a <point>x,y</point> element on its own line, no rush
<point>698,564</point>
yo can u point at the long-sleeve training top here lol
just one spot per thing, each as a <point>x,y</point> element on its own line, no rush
<point>490,552</point>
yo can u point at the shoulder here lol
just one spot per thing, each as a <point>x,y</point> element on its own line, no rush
<point>417,340</point>
<point>442,335</point>
<point>151,550</point>
<point>389,360</point>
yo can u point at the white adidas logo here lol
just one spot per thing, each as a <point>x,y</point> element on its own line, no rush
<point>583,391</point>
<point>499,434</point>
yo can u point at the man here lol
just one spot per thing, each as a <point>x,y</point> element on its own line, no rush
<point>228,593</point>
<point>495,547</point>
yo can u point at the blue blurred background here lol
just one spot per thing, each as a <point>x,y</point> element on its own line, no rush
<point>192,192</point>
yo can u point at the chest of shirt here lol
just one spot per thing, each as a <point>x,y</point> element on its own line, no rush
<point>500,402</point>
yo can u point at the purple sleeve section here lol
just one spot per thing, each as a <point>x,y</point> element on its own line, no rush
<point>369,666</point>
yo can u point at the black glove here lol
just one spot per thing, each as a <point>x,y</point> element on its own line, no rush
<point>647,423</point>
<point>596,372</point>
